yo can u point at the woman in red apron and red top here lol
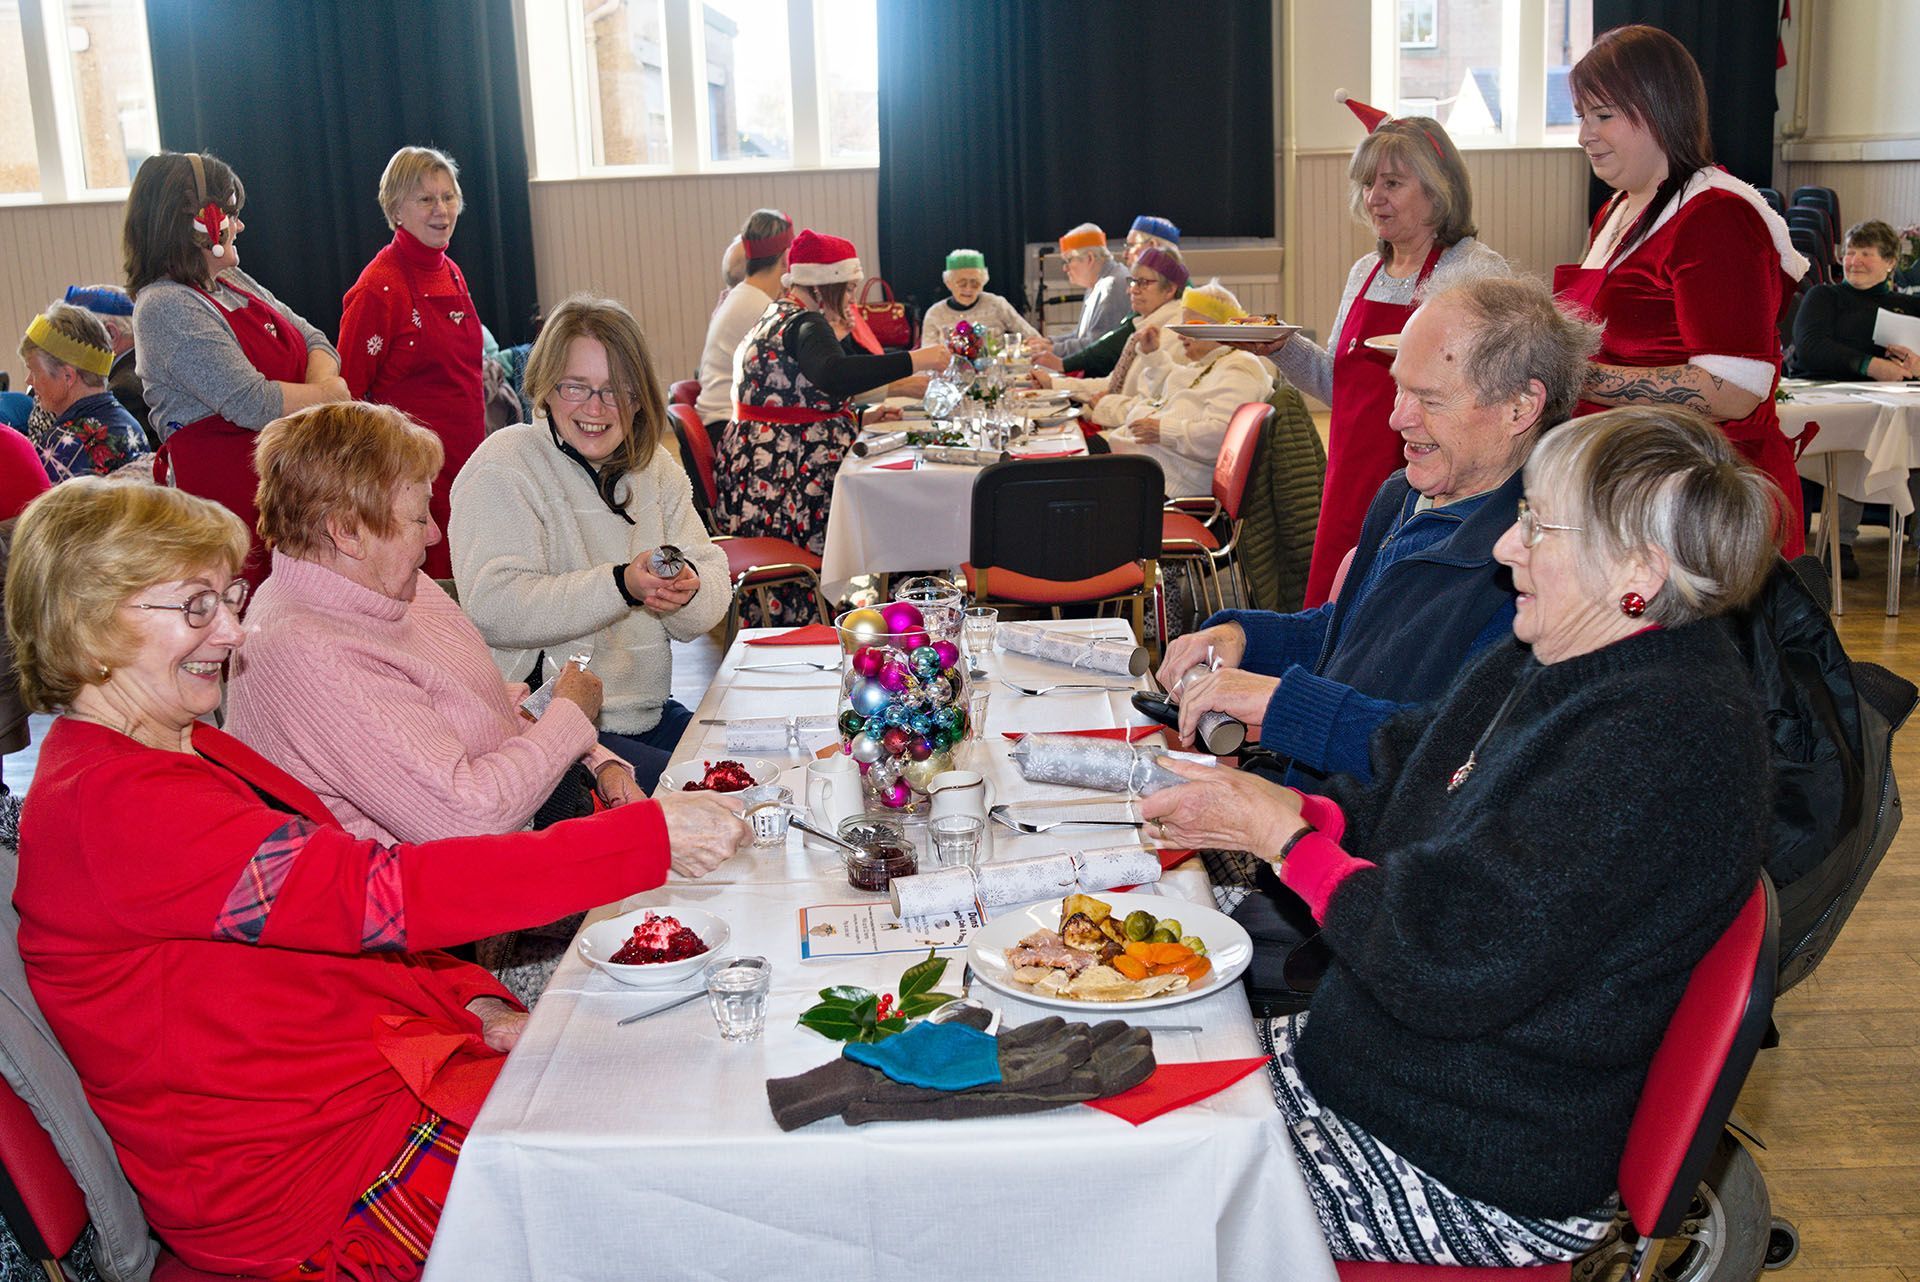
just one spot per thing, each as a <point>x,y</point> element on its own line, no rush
<point>1688,267</point>
<point>793,415</point>
<point>1410,188</point>
<point>220,357</point>
<point>409,337</point>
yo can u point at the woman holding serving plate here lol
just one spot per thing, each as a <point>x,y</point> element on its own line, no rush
<point>1515,902</point>
<point>1410,188</point>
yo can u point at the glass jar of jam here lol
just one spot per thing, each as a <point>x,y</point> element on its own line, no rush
<point>885,852</point>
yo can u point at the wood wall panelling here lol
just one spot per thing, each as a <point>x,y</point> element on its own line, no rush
<point>45,249</point>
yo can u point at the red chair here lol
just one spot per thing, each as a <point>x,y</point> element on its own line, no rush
<point>753,564</point>
<point>1680,1125</point>
<point>684,392</point>
<point>1188,530</point>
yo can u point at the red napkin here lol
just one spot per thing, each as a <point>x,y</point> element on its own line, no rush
<point>1168,859</point>
<point>812,634</point>
<point>1132,734</point>
<point>1176,1086</point>
<point>898,465</point>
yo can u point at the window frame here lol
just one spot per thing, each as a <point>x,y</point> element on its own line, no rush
<point>55,109</point>
<point>1523,95</point>
<point>1433,25</point>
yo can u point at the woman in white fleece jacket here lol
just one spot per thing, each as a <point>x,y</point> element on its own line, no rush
<point>555,524</point>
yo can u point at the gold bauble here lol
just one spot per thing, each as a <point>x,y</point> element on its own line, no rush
<point>919,774</point>
<point>861,627</point>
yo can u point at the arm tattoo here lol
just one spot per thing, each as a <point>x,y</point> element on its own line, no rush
<point>1661,385</point>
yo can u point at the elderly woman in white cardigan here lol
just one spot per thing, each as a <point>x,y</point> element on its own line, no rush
<point>1184,423</point>
<point>579,532</point>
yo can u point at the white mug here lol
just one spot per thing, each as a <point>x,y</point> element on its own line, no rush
<point>833,790</point>
<point>959,792</point>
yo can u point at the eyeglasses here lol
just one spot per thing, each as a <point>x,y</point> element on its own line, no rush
<point>1533,529</point>
<point>580,394</point>
<point>1143,282</point>
<point>200,607</point>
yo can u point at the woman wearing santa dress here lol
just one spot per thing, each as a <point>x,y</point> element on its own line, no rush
<point>1687,266</point>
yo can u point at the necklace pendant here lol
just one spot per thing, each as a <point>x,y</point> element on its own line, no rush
<point>457,317</point>
<point>1460,776</point>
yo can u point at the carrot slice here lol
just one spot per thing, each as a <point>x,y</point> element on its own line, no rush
<point>1139,949</point>
<point>1168,954</point>
<point>1130,966</point>
<point>1195,968</point>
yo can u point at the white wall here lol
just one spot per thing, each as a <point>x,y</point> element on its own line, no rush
<point>44,249</point>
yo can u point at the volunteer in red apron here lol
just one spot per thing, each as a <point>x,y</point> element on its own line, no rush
<point>220,356</point>
<point>1410,189</point>
<point>409,337</point>
<point>1687,266</point>
<point>794,415</point>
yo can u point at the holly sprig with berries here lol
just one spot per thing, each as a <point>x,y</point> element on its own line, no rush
<point>848,1014</point>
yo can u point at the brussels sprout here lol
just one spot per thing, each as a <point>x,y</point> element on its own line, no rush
<point>1162,935</point>
<point>1170,924</point>
<point>1193,942</point>
<point>1139,924</point>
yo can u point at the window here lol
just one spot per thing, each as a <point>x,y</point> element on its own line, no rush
<point>1417,24</point>
<point>1494,72</point>
<point>749,80</point>
<point>626,74</point>
<point>849,62</point>
<point>687,86</point>
<point>79,73</point>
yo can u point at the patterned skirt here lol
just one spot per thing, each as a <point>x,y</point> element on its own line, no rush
<point>775,480</point>
<point>391,1226</point>
<point>1376,1206</point>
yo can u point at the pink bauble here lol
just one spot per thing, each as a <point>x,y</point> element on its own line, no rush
<point>895,740</point>
<point>893,677</point>
<point>901,616</point>
<point>913,638</point>
<point>949,653</point>
<point>868,660</point>
<point>920,749</point>
<point>864,766</point>
<point>896,794</point>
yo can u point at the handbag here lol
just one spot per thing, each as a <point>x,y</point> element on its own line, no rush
<point>574,797</point>
<point>887,318</point>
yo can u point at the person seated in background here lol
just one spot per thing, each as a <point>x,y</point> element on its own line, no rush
<point>1183,425</point>
<point>77,425</point>
<point>252,996</point>
<point>966,280</point>
<point>1833,336</point>
<point>1090,267</point>
<point>1154,283</point>
<point>1515,902</point>
<point>420,737</point>
<point>1150,231</point>
<point>763,242</point>
<point>733,266</point>
<point>112,306</point>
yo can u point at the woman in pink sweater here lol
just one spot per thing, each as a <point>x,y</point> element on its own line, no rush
<point>366,682</point>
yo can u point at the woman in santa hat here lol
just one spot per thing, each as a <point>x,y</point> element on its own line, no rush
<point>793,414</point>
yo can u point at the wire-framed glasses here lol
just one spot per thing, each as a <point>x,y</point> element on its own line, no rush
<point>1533,529</point>
<point>200,607</point>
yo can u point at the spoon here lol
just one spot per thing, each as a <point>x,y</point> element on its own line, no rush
<point>815,830</point>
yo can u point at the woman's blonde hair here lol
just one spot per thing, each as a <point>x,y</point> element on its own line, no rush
<point>1644,477</point>
<point>611,325</point>
<point>409,167</point>
<point>341,460</point>
<point>79,552</point>
<point>1419,146</point>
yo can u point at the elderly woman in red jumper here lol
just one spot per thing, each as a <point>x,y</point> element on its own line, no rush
<point>794,413</point>
<point>252,995</point>
<point>409,337</point>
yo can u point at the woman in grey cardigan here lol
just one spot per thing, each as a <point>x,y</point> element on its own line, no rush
<point>220,356</point>
<point>579,532</point>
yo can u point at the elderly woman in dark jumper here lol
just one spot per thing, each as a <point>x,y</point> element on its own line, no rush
<point>1516,900</point>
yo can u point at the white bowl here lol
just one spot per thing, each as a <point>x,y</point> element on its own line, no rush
<point>676,778</point>
<point>600,941</point>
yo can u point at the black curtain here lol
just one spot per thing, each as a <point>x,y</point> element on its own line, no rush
<point>1734,42</point>
<point>307,99</point>
<point>1008,121</point>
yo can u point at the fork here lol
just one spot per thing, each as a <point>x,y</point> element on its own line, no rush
<point>1000,814</point>
<point>1020,689</point>
<point>790,663</point>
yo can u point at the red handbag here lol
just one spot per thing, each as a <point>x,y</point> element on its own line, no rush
<point>887,319</point>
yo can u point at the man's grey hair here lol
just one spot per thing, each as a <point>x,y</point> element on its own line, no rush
<point>1520,335</point>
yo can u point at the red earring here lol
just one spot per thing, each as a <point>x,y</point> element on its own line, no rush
<point>1633,605</point>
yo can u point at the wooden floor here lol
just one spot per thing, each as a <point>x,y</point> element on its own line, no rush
<point>1838,1101</point>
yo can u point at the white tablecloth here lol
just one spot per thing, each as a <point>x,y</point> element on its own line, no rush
<point>1873,432</point>
<point>882,520</point>
<point>649,1151</point>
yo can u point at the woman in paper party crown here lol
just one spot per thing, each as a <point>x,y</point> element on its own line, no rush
<point>966,276</point>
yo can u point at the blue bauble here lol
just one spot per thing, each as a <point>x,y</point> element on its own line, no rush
<point>921,723</point>
<point>926,663</point>
<point>898,714</point>
<point>867,698</point>
<point>949,718</point>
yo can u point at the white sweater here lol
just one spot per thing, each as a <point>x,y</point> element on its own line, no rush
<point>1144,377</point>
<point>744,304</point>
<point>533,552</point>
<point>1194,407</point>
<point>988,309</point>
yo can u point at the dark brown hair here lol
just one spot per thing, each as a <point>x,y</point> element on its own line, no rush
<point>1874,234</point>
<point>158,237</point>
<point>608,323</point>
<point>1648,76</point>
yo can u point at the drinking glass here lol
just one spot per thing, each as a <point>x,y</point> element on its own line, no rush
<point>737,990</point>
<point>977,698</point>
<point>769,810</point>
<point>956,840</point>
<point>978,625</point>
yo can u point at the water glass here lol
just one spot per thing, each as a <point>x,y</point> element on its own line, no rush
<point>977,697</point>
<point>956,840</point>
<point>979,624</point>
<point>769,810</point>
<point>737,989</point>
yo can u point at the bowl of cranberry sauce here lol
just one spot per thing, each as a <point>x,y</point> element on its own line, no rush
<point>654,947</point>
